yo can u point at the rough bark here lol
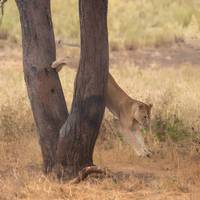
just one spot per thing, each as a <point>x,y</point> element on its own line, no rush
<point>43,84</point>
<point>79,133</point>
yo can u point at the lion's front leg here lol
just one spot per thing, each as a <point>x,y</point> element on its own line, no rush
<point>58,64</point>
<point>132,135</point>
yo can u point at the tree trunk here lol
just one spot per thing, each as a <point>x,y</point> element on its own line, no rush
<point>43,84</point>
<point>79,133</point>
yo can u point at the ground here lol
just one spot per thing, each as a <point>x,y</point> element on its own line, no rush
<point>165,76</point>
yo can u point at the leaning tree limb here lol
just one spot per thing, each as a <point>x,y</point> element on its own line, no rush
<point>2,3</point>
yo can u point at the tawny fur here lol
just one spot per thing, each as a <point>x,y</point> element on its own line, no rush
<point>132,114</point>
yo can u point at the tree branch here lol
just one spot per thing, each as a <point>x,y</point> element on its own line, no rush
<point>2,2</point>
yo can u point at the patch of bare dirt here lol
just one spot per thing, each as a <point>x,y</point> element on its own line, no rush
<point>169,56</point>
<point>177,55</point>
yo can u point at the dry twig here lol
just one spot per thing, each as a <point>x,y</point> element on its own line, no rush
<point>85,172</point>
<point>2,2</point>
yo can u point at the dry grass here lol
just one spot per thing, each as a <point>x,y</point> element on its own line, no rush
<point>172,173</point>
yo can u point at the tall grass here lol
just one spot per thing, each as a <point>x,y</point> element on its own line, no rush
<point>132,23</point>
<point>173,92</point>
<point>172,173</point>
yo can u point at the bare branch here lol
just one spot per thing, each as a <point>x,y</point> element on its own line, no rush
<point>66,43</point>
<point>2,3</point>
<point>85,172</point>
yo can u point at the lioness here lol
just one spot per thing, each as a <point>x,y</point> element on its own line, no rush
<point>132,114</point>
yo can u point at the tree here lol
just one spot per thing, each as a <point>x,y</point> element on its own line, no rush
<point>44,88</point>
<point>79,133</point>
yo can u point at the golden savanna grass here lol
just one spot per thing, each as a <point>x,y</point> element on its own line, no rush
<point>173,171</point>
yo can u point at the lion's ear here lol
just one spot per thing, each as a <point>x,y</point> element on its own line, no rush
<point>150,105</point>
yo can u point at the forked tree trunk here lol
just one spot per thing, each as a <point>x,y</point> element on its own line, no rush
<point>44,88</point>
<point>79,133</point>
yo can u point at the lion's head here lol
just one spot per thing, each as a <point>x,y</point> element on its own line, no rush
<point>142,114</point>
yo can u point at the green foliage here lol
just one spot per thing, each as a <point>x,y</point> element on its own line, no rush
<point>172,128</point>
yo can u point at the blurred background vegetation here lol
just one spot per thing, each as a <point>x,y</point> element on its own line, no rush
<point>163,69</point>
<point>132,23</point>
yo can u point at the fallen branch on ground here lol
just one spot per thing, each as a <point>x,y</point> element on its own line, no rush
<point>85,172</point>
